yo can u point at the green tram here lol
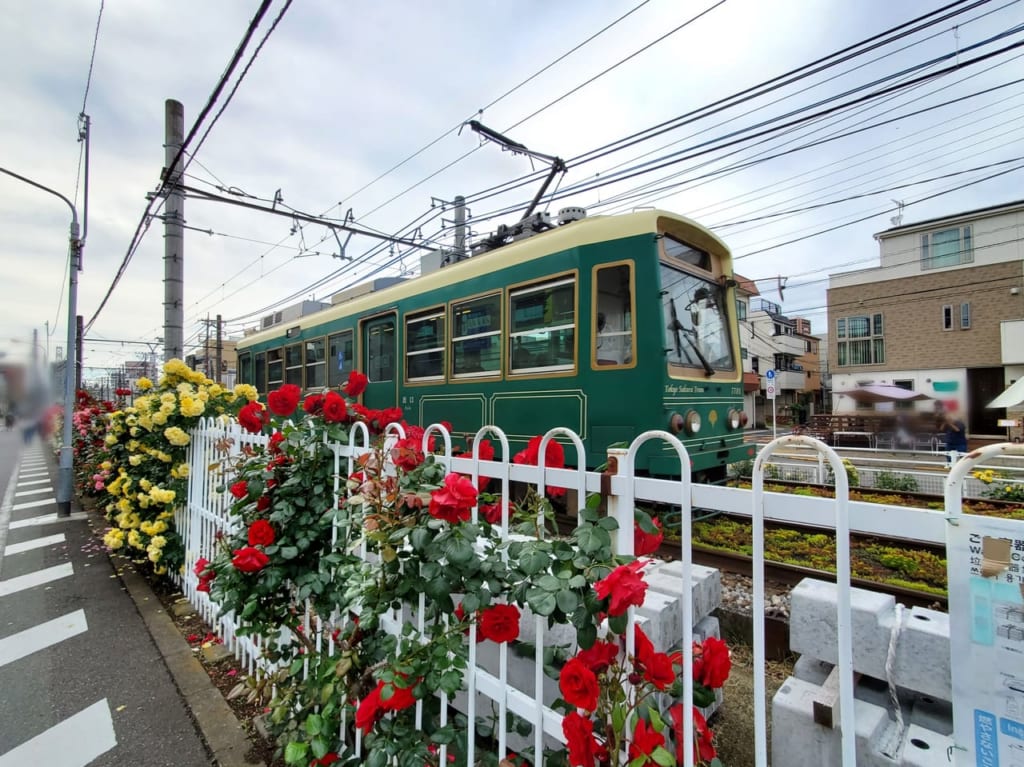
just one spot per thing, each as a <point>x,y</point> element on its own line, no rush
<point>610,326</point>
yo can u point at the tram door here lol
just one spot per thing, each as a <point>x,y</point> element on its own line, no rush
<point>379,363</point>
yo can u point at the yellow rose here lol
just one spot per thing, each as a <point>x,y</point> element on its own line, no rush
<point>192,408</point>
<point>135,460</point>
<point>144,384</point>
<point>114,538</point>
<point>176,436</point>
<point>110,439</point>
<point>135,540</point>
<point>180,471</point>
<point>154,554</point>
<point>126,506</point>
<point>159,418</point>
<point>248,391</point>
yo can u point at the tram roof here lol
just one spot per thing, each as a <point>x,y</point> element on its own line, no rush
<point>587,231</point>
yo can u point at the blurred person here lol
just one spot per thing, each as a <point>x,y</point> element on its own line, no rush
<point>31,409</point>
<point>955,433</point>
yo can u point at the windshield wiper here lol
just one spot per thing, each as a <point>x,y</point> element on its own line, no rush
<point>708,370</point>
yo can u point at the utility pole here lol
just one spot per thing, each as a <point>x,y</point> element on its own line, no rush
<point>460,228</point>
<point>78,351</point>
<point>174,235</point>
<point>220,351</point>
<point>206,347</point>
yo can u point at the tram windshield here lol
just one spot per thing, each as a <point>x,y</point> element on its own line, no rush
<point>697,321</point>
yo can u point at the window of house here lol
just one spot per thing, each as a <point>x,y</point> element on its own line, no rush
<point>743,353</point>
<point>741,310</point>
<point>947,247</point>
<point>755,364</point>
<point>339,356</point>
<point>947,317</point>
<point>424,341</point>
<point>275,368</point>
<point>316,364</point>
<point>613,316</point>
<point>542,327</point>
<point>293,364</point>
<point>864,340</point>
<point>965,316</point>
<point>476,337</point>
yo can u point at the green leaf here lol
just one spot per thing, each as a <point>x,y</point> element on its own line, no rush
<point>617,623</point>
<point>549,583</point>
<point>470,604</point>
<point>577,582</point>
<point>459,551</point>
<point>419,538</point>
<point>295,752</point>
<point>289,552</point>
<point>656,721</point>
<point>533,561</point>
<point>618,718</point>
<point>443,735</point>
<point>663,757</point>
<point>586,635</point>
<point>608,523</point>
<point>592,539</point>
<point>593,502</point>
<point>314,724</point>
<point>320,746</point>
<point>702,696</point>
<point>567,601</point>
<point>540,601</point>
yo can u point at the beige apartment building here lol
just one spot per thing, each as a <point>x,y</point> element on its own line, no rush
<point>942,314</point>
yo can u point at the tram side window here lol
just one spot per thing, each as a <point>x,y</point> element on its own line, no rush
<point>476,337</point>
<point>275,369</point>
<point>424,339</point>
<point>293,364</point>
<point>316,373</point>
<point>259,375</point>
<point>542,333</point>
<point>245,368</point>
<point>613,316</point>
<point>380,356</point>
<point>339,360</point>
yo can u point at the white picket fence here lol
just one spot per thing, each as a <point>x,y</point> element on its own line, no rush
<point>206,517</point>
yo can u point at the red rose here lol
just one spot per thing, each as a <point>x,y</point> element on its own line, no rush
<point>454,501</point>
<point>400,697</point>
<point>554,458</point>
<point>204,585</point>
<point>599,656</point>
<point>645,740</point>
<point>407,454</point>
<point>274,444</point>
<point>711,663</point>
<point>261,533</point>
<point>335,408</point>
<point>369,711</point>
<point>326,760</point>
<point>200,565</point>
<point>389,415</point>
<point>492,512</point>
<point>263,503</point>
<point>579,737</point>
<point>253,417</point>
<point>486,453</point>
<point>658,671</point>
<point>356,384</point>
<point>500,623</point>
<point>624,587</point>
<point>644,542</point>
<point>249,559</point>
<point>283,401</point>
<point>703,747</point>
<point>240,489</point>
<point>579,685</point>
<point>313,404</point>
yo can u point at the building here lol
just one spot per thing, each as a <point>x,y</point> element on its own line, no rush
<point>769,340</point>
<point>942,314</point>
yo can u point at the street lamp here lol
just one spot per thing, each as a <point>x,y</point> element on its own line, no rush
<point>65,474</point>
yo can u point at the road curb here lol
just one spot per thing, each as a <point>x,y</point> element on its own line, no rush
<point>224,735</point>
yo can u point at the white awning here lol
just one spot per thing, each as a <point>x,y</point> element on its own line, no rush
<point>1012,396</point>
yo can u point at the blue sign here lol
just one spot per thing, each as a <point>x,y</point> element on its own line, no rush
<point>770,375</point>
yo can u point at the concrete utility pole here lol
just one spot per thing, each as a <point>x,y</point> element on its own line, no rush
<point>460,228</point>
<point>220,352</point>
<point>174,239</point>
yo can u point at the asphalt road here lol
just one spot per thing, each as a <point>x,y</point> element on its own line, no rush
<point>81,681</point>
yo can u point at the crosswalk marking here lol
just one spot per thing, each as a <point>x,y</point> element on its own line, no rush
<point>35,543</point>
<point>38,578</point>
<point>33,504</point>
<point>75,742</point>
<point>43,519</point>
<point>33,475</point>
<point>34,482</point>
<point>18,646</point>
<point>37,491</point>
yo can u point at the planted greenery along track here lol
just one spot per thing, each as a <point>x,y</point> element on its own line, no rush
<point>872,559</point>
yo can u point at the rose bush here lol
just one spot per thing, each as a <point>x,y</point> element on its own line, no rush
<point>328,554</point>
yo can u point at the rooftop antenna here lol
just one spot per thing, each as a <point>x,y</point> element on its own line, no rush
<point>897,220</point>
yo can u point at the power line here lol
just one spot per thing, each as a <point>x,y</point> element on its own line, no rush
<point>92,57</point>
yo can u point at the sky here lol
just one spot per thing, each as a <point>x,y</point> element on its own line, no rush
<point>342,93</point>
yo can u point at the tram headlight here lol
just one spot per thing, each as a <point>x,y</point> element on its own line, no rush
<point>743,418</point>
<point>735,419</point>
<point>692,422</point>
<point>675,423</point>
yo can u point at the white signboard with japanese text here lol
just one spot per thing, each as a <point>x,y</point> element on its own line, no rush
<point>986,619</point>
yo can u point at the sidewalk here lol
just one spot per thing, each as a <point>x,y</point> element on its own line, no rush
<point>93,671</point>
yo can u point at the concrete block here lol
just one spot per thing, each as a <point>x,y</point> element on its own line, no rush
<point>922,648</point>
<point>798,741</point>
<point>663,608</point>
